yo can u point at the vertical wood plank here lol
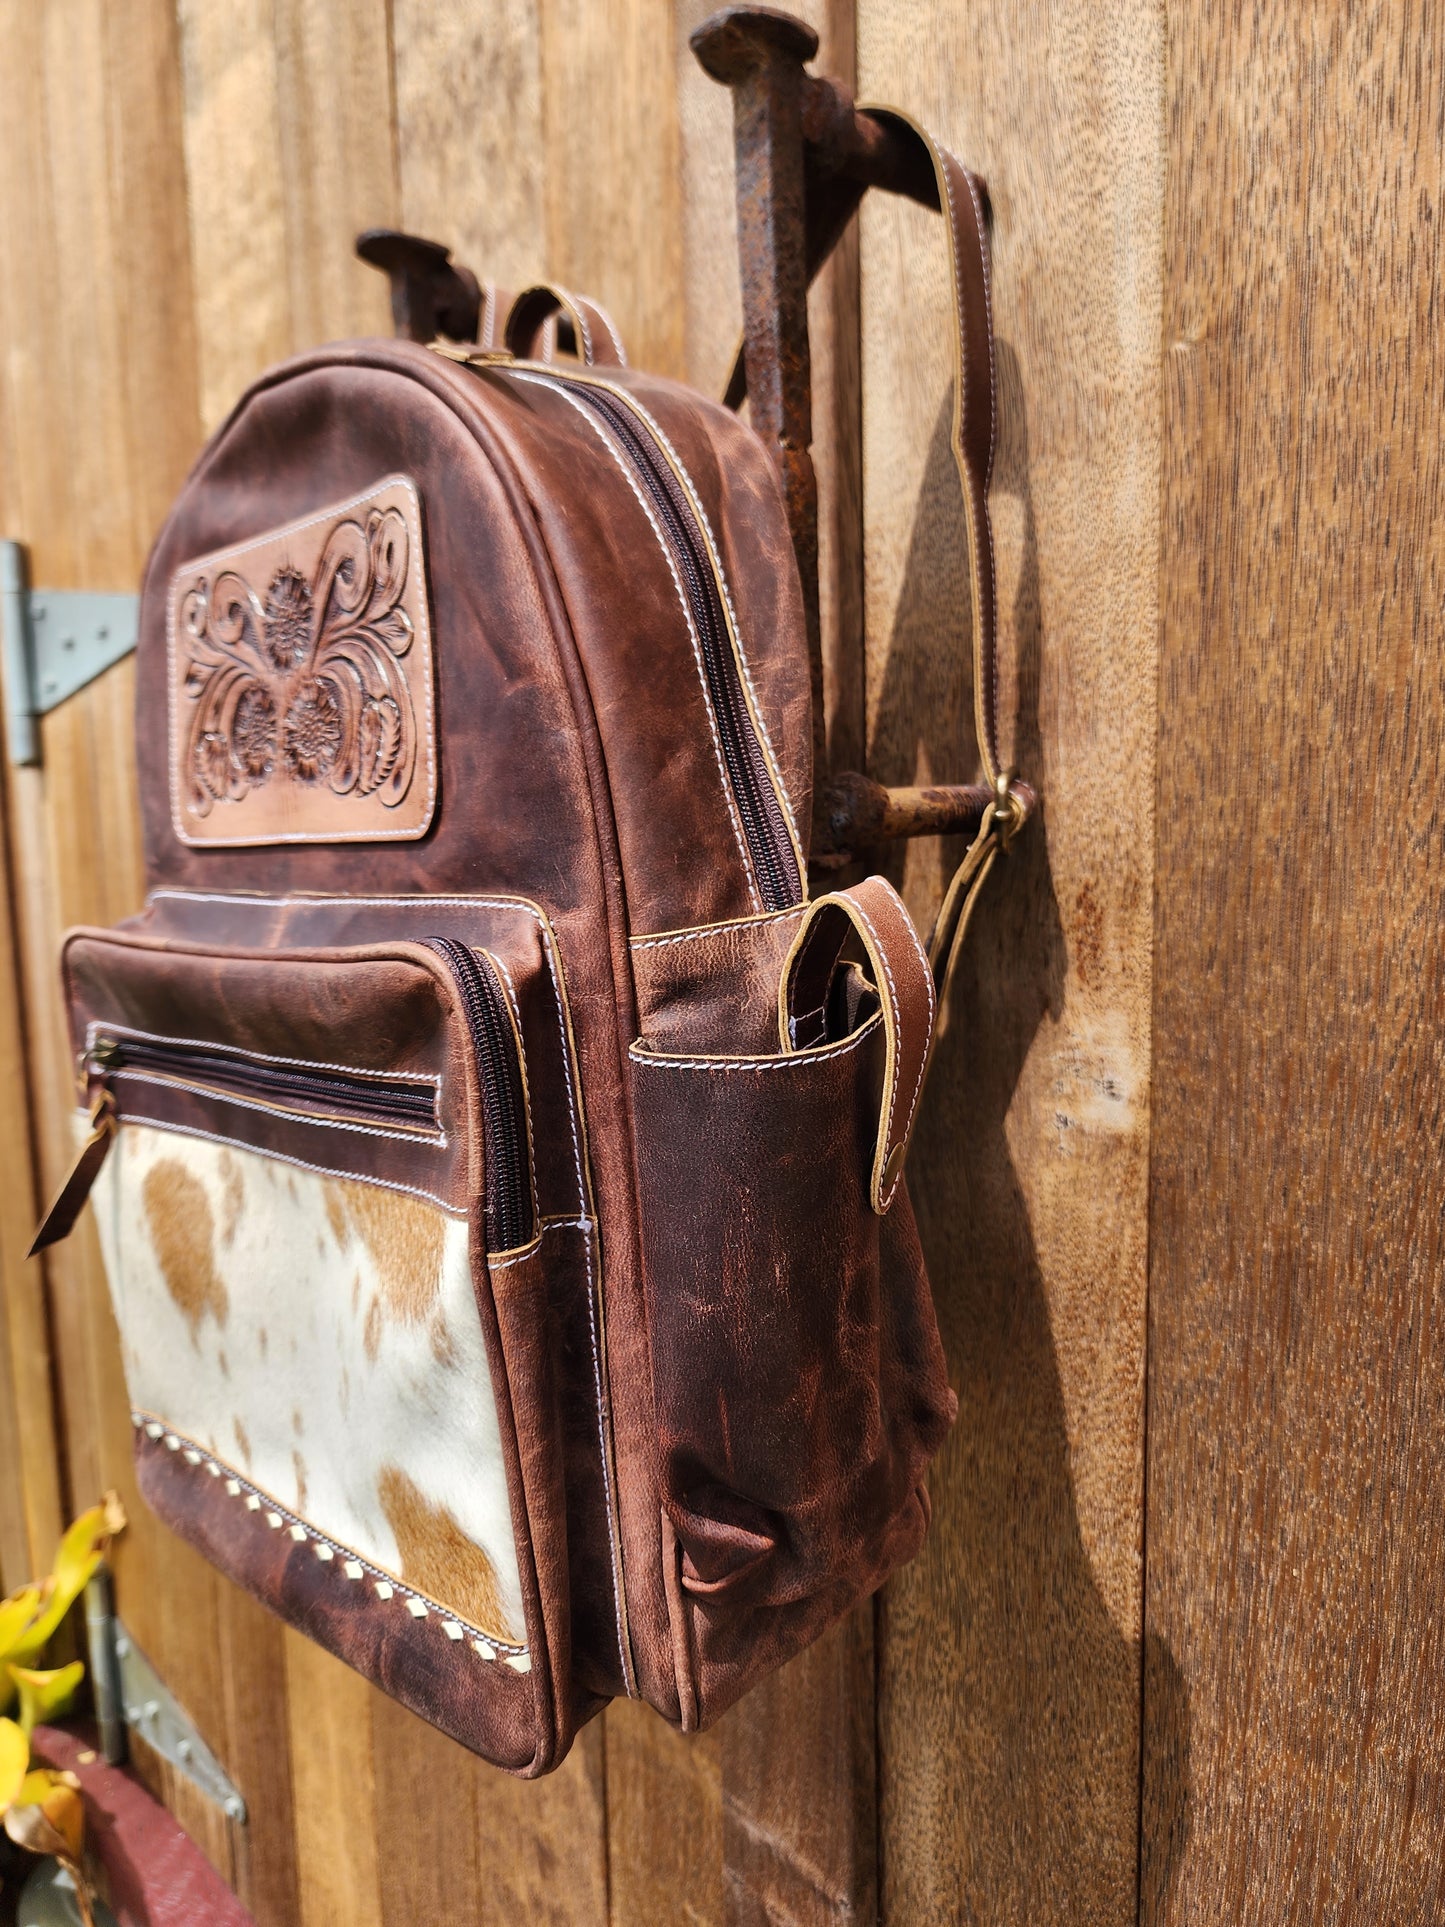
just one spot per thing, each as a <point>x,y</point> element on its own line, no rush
<point>613,191</point>
<point>471,154</point>
<point>338,159</point>
<point>30,1470</point>
<point>333,1783</point>
<point>553,1874</point>
<point>1297,1407</point>
<point>796,1758</point>
<point>1009,1651</point>
<point>664,1821</point>
<point>237,199</point>
<point>30,1482</point>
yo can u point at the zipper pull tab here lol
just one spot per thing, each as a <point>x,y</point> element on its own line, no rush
<point>65,1207</point>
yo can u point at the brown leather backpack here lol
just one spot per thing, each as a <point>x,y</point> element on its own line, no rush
<point>503,1203</point>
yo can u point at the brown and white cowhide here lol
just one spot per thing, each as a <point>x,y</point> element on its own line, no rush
<point>321,1336</point>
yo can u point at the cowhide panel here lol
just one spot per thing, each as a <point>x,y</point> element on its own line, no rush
<point>320,1335</point>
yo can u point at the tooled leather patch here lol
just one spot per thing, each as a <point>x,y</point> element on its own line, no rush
<point>301,681</point>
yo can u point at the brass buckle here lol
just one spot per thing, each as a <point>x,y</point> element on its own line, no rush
<point>1006,810</point>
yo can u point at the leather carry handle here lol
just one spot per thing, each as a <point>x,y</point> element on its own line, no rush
<point>903,979</point>
<point>598,342</point>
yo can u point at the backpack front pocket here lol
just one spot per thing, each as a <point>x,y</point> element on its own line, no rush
<point>317,1161</point>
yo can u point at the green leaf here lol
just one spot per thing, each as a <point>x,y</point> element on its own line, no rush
<point>46,1696</point>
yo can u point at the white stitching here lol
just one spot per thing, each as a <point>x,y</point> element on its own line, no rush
<point>572,1090</point>
<point>734,626</point>
<point>519,1257</point>
<point>611,326</point>
<point>579,318</point>
<point>898,1032</point>
<point>795,1060</point>
<point>138,1418</point>
<point>96,1025</point>
<point>438,1139</point>
<point>511,992</point>
<point>413,496</point>
<point>544,381</point>
<point>544,931</point>
<point>282,1157</point>
<point>714,929</point>
<point>588,1227</point>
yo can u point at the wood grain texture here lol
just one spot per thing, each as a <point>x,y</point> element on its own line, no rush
<point>207,167</point>
<point>471,152</point>
<point>1009,1651</point>
<point>1297,1407</point>
<point>333,1782</point>
<point>796,1757</point>
<point>664,1821</point>
<point>30,1475</point>
<point>613,190</point>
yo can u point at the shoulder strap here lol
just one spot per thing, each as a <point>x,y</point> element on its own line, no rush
<point>961,202</point>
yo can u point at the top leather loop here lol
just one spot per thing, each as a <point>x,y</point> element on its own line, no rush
<point>524,333</point>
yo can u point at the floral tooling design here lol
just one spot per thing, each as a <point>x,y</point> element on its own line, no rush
<point>302,681</point>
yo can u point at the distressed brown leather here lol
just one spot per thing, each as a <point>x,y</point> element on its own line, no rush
<point>446,655</point>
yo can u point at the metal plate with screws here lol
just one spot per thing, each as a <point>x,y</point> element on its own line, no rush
<point>55,642</point>
<point>129,1692</point>
<point>150,1711</point>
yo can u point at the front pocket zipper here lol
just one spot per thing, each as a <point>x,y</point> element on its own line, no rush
<point>765,829</point>
<point>329,1094</point>
<point>319,1091</point>
<point>511,1216</point>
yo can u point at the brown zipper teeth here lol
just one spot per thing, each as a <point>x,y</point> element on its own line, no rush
<point>509,1194</point>
<point>373,1099</point>
<point>764,829</point>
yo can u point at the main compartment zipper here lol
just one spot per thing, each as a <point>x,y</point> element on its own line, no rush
<point>511,1215</point>
<point>765,829</point>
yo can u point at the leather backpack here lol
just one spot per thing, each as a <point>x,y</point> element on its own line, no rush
<point>497,1154</point>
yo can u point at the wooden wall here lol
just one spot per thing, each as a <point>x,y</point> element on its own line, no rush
<point>1191,1081</point>
<point>1294,1761</point>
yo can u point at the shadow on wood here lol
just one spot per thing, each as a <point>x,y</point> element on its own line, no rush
<point>1008,1695</point>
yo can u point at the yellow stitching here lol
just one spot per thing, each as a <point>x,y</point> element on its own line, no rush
<point>549,381</point>
<point>688,932</point>
<point>795,1060</point>
<point>734,630</point>
<point>897,1053</point>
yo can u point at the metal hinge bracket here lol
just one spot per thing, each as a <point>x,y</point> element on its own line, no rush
<point>130,1694</point>
<point>55,641</point>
